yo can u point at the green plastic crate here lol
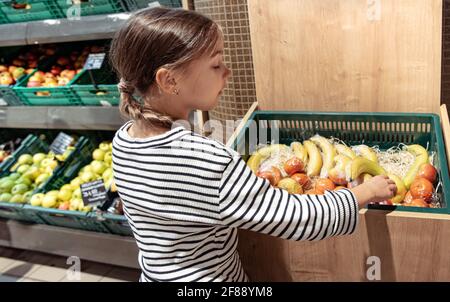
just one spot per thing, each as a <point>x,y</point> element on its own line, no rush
<point>80,157</point>
<point>117,224</point>
<point>106,92</point>
<point>13,211</point>
<point>53,96</point>
<point>37,10</point>
<point>96,221</point>
<point>91,7</point>
<point>9,97</point>
<point>138,4</point>
<point>60,218</point>
<point>382,129</point>
<point>31,144</point>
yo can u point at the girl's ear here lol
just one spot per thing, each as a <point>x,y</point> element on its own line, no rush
<point>166,81</point>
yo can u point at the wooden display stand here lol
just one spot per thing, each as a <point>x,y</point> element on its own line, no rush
<point>343,56</point>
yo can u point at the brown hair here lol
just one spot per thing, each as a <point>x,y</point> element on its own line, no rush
<point>152,39</point>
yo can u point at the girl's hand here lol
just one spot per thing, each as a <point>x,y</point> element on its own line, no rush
<point>378,188</point>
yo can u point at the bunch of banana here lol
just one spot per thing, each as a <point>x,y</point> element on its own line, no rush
<point>340,173</point>
<point>314,159</point>
<point>421,155</point>
<point>366,152</point>
<point>344,150</point>
<point>262,154</point>
<point>401,189</point>
<point>328,151</point>
<point>362,165</point>
<point>300,152</point>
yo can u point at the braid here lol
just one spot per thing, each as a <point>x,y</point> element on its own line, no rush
<point>131,107</point>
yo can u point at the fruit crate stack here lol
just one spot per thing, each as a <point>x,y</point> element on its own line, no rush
<point>50,85</point>
<point>12,11</point>
<point>97,87</point>
<point>15,64</point>
<point>409,144</point>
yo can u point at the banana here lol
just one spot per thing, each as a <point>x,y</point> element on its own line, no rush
<point>362,165</point>
<point>300,151</point>
<point>262,154</point>
<point>366,177</point>
<point>367,152</point>
<point>328,154</point>
<point>401,189</point>
<point>340,174</point>
<point>315,159</point>
<point>421,155</point>
<point>344,150</point>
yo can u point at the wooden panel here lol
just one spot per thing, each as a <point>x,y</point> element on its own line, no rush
<point>353,55</point>
<point>411,247</point>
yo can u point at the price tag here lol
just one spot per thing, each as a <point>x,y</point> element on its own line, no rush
<point>93,192</point>
<point>94,61</point>
<point>61,142</point>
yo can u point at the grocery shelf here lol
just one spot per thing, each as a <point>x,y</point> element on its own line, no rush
<point>62,30</point>
<point>92,246</point>
<point>87,118</point>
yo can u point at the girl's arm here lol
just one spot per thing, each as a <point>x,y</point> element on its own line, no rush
<point>249,202</point>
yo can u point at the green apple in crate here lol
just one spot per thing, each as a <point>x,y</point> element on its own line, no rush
<point>68,197</point>
<point>28,173</point>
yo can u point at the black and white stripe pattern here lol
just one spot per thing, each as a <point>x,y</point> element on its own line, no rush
<point>185,196</point>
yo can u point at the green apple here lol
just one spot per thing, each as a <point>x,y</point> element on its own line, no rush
<point>23,168</point>
<point>24,180</point>
<point>107,174</point>
<point>98,167</point>
<point>86,209</point>
<point>38,157</point>
<point>98,154</point>
<point>19,189</point>
<point>32,173</point>
<point>42,178</point>
<point>36,199</point>
<point>14,176</point>
<point>75,203</point>
<point>108,158</point>
<point>5,197</point>
<point>18,198</point>
<point>49,162</point>
<point>49,201</point>
<point>27,196</point>
<point>64,195</point>
<point>25,159</point>
<point>87,168</point>
<point>105,146</point>
<point>7,185</point>
<point>52,193</point>
<point>66,187</point>
<point>87,177</point>
<point>77,193</point>
<point>75,183</point>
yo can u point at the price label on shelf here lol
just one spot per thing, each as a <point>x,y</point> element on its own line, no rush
<point>61,142</point>
<point>93,192</point>
<point>94,61</point>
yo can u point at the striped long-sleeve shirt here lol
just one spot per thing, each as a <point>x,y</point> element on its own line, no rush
<point>185,196</point>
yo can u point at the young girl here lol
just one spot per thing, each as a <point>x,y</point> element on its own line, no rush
<point>185,195</point>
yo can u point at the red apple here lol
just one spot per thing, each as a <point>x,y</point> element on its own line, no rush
<point>63,61</point>
<point>34,84</point>
<point>56,70</point>
<point>18,62</point>
<point>294,165</point>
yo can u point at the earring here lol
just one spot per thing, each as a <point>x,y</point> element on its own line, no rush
<point>175,91</point>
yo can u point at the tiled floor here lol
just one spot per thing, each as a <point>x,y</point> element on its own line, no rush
<point>28,266</point>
